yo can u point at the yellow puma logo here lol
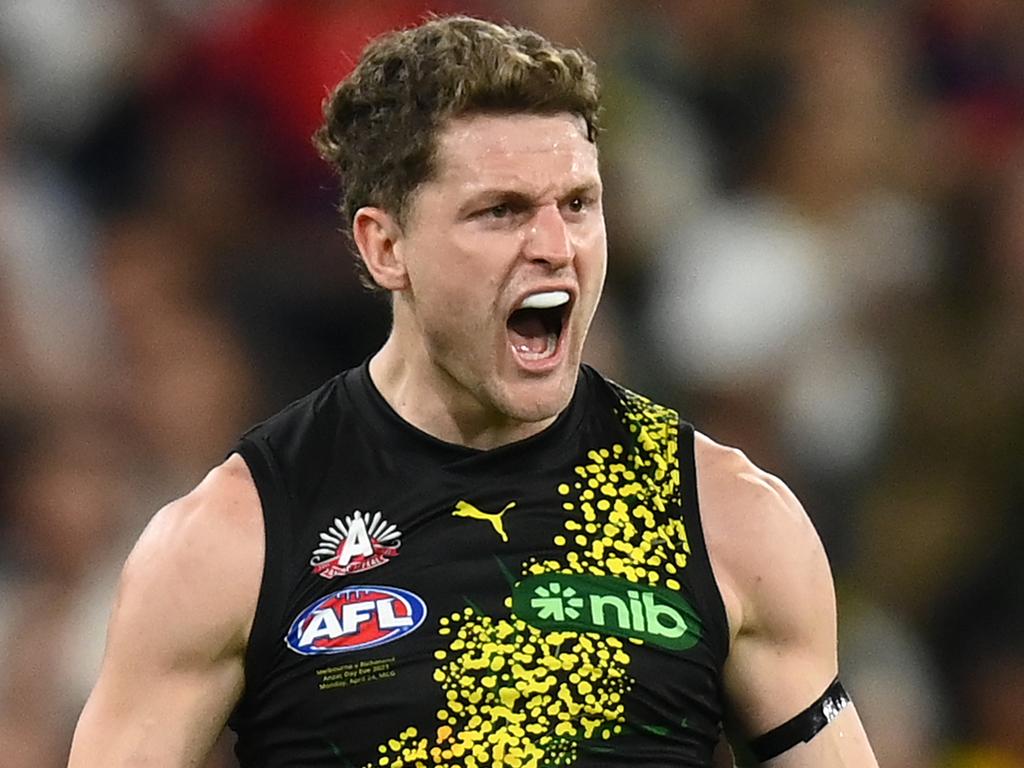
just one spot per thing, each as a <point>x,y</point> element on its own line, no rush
<point>465,509</point>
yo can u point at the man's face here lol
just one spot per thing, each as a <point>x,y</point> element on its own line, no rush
<point>505,252</point>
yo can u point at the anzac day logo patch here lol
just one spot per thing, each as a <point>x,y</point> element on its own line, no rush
<point>357,543</point>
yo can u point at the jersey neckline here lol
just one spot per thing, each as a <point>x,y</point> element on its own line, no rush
<point>398,433</point>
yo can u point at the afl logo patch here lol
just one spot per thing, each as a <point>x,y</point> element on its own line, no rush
<point>355,618</point>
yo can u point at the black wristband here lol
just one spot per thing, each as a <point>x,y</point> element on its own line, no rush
<point>802,727</point>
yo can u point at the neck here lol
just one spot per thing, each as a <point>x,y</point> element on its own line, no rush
<point>430,399</point>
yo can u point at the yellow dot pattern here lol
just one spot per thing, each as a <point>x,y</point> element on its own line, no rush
<point>517,696</point>
<point>621,502</point>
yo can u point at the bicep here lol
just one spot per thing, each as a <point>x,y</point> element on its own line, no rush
<point>784,655</point>
<point>174,662</point>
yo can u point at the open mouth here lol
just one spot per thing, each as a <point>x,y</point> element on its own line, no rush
<point>535,327</point>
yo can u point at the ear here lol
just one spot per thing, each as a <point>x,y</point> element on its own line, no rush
<point>378,238</point>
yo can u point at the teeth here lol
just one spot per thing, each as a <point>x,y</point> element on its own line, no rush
<point>549,349</point>
<point>545,300</point>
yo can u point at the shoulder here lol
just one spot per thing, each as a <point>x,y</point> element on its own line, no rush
<point>740,492</point>
<point>292,447</point>
<point>203,556</point>
<point>764,549</point>
<point>306,414</point>
<point>225,501</point>
<point>638,411</point>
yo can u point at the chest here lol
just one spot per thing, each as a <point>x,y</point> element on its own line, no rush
<point>540,612</point>
<point>450,602</point>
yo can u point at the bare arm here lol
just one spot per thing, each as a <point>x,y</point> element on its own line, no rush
<point>173,667</point>
<point>780,601</point>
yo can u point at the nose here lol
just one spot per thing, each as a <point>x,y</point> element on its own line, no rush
<point>547,238</point>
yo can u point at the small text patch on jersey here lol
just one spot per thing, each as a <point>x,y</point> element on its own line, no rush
<point>357,543</point>
<point>355,618</point>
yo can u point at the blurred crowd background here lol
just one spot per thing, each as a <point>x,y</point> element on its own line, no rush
<point>816,222</point>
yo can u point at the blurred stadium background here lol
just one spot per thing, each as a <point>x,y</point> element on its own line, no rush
<point>816,218</point>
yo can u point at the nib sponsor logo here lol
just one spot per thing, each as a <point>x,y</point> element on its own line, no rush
<point>357,543</point>
<point>355,618</point>
<point>608,605</point>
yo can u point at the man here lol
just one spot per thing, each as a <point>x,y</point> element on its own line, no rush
<point>472,550</point>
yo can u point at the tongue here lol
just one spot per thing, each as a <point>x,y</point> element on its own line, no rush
<point>527,332</point>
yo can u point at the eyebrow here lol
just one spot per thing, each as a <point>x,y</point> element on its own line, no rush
<point>494,196</point>
<point>518,198</point>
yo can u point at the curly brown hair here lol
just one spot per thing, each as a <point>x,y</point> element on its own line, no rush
<point>381,122</point>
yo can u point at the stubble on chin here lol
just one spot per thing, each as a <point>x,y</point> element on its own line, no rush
<point>539,407</point>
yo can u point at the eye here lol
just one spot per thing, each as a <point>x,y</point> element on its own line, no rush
<point>577,204</point>
<point>501,211</point>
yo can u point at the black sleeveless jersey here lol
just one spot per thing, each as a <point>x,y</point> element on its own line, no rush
<point>546,603</point>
